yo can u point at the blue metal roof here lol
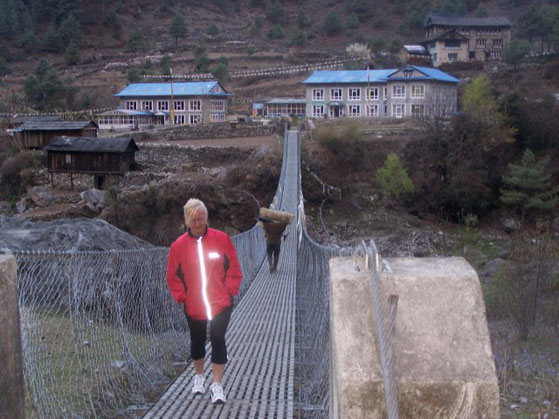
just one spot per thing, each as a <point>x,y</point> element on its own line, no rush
<point>376,76</point>
<point>347,76</point>
<point>195,88</point>
<point>435,74</point>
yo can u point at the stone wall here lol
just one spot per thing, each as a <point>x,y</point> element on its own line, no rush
<point>208,131</point>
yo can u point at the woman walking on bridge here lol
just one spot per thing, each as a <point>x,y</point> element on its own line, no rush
<point>204,274</point>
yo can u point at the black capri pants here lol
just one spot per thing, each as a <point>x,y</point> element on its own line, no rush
<point>198,335</point>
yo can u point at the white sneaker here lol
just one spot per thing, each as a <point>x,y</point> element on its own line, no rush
<point>217,393</point>
<point>198,386</point>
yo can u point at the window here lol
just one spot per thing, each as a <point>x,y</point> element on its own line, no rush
<point>399,90</point>
<point>162,105</point>
<point>194,119</point>
<point>354,94</point>
<point>452,44</point>
<point>495,55</point>
<point>372,110</point>
<point>179,105</point>
<point>408,73</point>
<point>385,93</point>
<point>398,110</point>
<point>497,43</point>
<point>480,43</point>
<point>317,94</point>
<point>147,105</point>
<point>452,57</point>
<point>179,119</point>
<point>354,111</point>
<point>372,93</point>
<point>194,105</point>
<point>417,91</point>
<point>317,111</point>
<point>217,105</point>
<point>131,105</point>
<point>418,110</point>
<point>67,158</point>
<point>335,94</point>
<point>217,117</point>
<point>472,55</point>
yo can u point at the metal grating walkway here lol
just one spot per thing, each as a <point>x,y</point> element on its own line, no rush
<point>258,380</point>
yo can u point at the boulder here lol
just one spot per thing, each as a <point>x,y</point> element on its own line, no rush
<point>41,196</point>
<point>94,199</point>
<point>488,269</point>
<point>510,225</point>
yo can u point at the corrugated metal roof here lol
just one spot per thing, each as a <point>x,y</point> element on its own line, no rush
<point>118,111</point>
<point>417,49</point>
<point>433,19</point>
<point>54,125</point>
<point>195,88</point>
<point>286,100</point>
<point>436,74</point>
<point>376,76</point>
<point>92,144</point>
<point>347,76</point>
<point>21,119</point>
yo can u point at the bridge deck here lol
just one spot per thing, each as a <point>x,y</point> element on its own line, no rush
<point>258,380</point>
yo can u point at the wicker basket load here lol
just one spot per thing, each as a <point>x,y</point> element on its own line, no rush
<point>281,216</point>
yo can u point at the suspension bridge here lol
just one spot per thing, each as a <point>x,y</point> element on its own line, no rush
<point>101,336</point>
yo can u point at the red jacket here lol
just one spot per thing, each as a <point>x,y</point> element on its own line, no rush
<point>223,273</point>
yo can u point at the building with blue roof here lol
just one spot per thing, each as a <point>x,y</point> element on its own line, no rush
<point>409,91</point>
<point>181,103</point>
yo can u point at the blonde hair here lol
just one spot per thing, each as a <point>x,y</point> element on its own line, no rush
<point>190,208</point>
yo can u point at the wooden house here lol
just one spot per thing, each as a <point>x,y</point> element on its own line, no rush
<point>451,39</point>
<point>38,134</point>
<point>104,158</point>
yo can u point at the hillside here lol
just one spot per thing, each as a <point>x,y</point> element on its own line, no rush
<point>134,35</point>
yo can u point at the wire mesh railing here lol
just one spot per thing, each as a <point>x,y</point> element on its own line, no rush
<point>101,334</point>
<point>100,331</point>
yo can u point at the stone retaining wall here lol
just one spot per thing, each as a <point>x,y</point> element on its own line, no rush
<point>207,131</point>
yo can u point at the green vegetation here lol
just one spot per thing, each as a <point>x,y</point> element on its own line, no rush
<point>178,29</point>
<point>332,24</point>
<point>393,178</point>
<point>44,89</point>
<point>528,188</point>
<point>18,170</point>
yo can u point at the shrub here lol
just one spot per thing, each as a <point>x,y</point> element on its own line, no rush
<point>340,144</point>
<point>275,32</point>
<point>521,282</point>
<point>17,172</point>
<point>332,23</point>
<point>393,177</point>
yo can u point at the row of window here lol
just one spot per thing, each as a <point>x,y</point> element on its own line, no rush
<point>179,105</point>
<point>482,43</point>
<point>371,93</point>
<point>145,120</point>
<point>398,110</point>
<point>480,31</point>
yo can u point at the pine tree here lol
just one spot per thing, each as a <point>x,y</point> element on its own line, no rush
<point>528,187</point>
<point>393,177</point>
<point>178,29</point>
<point>70,30</point>
<point>72,54</point>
